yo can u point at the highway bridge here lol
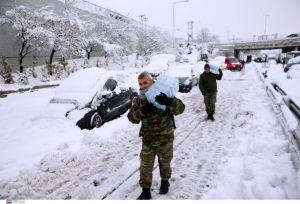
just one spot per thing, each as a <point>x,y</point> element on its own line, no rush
<point>286,44</point>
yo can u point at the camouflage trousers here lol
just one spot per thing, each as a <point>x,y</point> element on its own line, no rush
<point>210,101</point>
<point>164,153</point>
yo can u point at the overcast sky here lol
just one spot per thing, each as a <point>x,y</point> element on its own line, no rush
<point>226,18</point>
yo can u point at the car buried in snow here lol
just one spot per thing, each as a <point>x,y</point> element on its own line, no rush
<point>159,63</point>
<point>185,75</point>
<point>93,96</point>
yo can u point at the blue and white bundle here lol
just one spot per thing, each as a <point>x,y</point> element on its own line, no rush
<point>166,84</point>
<point>214,69</point>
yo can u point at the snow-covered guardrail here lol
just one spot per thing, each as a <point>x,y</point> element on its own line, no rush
<point>4,93</point>
<point>288,112</point>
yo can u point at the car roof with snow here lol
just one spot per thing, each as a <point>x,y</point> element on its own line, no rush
<point>83,85</point>
<point>179,72</point>
<point>169,58</point>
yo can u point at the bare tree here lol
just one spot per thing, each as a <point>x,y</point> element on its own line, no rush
<point>26,22</point>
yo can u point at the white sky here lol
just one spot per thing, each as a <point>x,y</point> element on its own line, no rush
<point>226,18</point>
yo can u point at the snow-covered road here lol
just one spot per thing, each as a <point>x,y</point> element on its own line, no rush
<point>242,155</point>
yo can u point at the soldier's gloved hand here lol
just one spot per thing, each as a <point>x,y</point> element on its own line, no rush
<point>163,99</point>
<point>148,108</point>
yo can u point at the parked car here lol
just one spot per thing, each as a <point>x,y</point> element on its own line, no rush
<point>186,77</point>
<point>159,63</point>
<point>291,62</point>
<point>91,97</point>
<point>233,63</point>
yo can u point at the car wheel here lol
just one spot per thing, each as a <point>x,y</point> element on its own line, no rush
<point>96,120</point>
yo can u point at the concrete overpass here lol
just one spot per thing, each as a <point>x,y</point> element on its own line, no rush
<point>286,44</point>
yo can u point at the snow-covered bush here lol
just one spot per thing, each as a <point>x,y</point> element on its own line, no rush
<point>62,61</point>
<point>98,63</point>
<point>6,71</point>
<point>86,64</point>
<point>45,75</point>
<point>23,77</point>
<point>32,71</point>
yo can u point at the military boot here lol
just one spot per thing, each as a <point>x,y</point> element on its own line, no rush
<point>145,195</point>
<point>212,117</point>
<point>208,116</point>
<point>164,187</point>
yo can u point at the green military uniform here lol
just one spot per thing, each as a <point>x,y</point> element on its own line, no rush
<point>208,87</point>
<point>157,132</point>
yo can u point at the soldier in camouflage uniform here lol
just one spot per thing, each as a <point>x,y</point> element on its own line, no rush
<point>157,132</point>
<point>208,88</point>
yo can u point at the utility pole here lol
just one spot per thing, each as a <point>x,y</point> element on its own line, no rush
<point>174,3</point>
<point>266,16</point>
<point>190,32</point>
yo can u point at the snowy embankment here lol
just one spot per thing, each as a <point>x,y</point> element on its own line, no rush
<point>244,154</point>
<point>286,100</point>
<point>75,64</point>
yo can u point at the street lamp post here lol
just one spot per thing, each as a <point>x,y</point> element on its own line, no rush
<point>174,3</point>
<point>266,16</point>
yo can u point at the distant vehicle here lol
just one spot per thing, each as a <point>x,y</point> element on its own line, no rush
<point>91,97</point>
<point>186,77</point>
<point>233,63</point>
<point>293,35</point>
<point>202,57</point>
<point>261,59</point>
<point>249,59</point>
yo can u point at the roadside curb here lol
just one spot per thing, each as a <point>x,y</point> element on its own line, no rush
<point>4,93</point>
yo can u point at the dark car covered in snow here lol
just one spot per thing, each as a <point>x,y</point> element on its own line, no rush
<point>93,96</point>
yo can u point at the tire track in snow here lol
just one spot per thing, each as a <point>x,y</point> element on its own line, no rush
<point>200,153</point>
<point>67,175</point>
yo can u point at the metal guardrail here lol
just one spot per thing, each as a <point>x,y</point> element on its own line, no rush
<point>294,110</point>
<point>289,102</point>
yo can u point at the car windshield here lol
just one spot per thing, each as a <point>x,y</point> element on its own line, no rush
<point>233,60</point>
<point>182,79</point>
<point>110,85</point>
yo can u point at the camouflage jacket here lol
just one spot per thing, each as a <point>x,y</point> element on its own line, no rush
<point>208,83</point>
<point>157,127</point>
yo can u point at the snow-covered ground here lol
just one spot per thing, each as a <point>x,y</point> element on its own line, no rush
<point>244,154</point>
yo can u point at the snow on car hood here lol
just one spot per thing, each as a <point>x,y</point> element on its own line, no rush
<point>162,58</point>
<point>81,86</point>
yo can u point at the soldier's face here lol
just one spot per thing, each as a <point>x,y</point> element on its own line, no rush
<point>145,83</point>
<point>206,70</point>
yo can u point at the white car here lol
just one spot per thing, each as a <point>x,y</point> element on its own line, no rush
<point>185,75</point>
<point>159,64</point>
<point>92,96</point>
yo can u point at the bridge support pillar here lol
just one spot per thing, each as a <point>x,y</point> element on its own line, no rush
<point>236,53</point>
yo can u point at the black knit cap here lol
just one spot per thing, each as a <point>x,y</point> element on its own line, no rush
<point>206,66</point>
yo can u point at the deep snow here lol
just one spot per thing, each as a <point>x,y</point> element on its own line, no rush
<point>242,155</point>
